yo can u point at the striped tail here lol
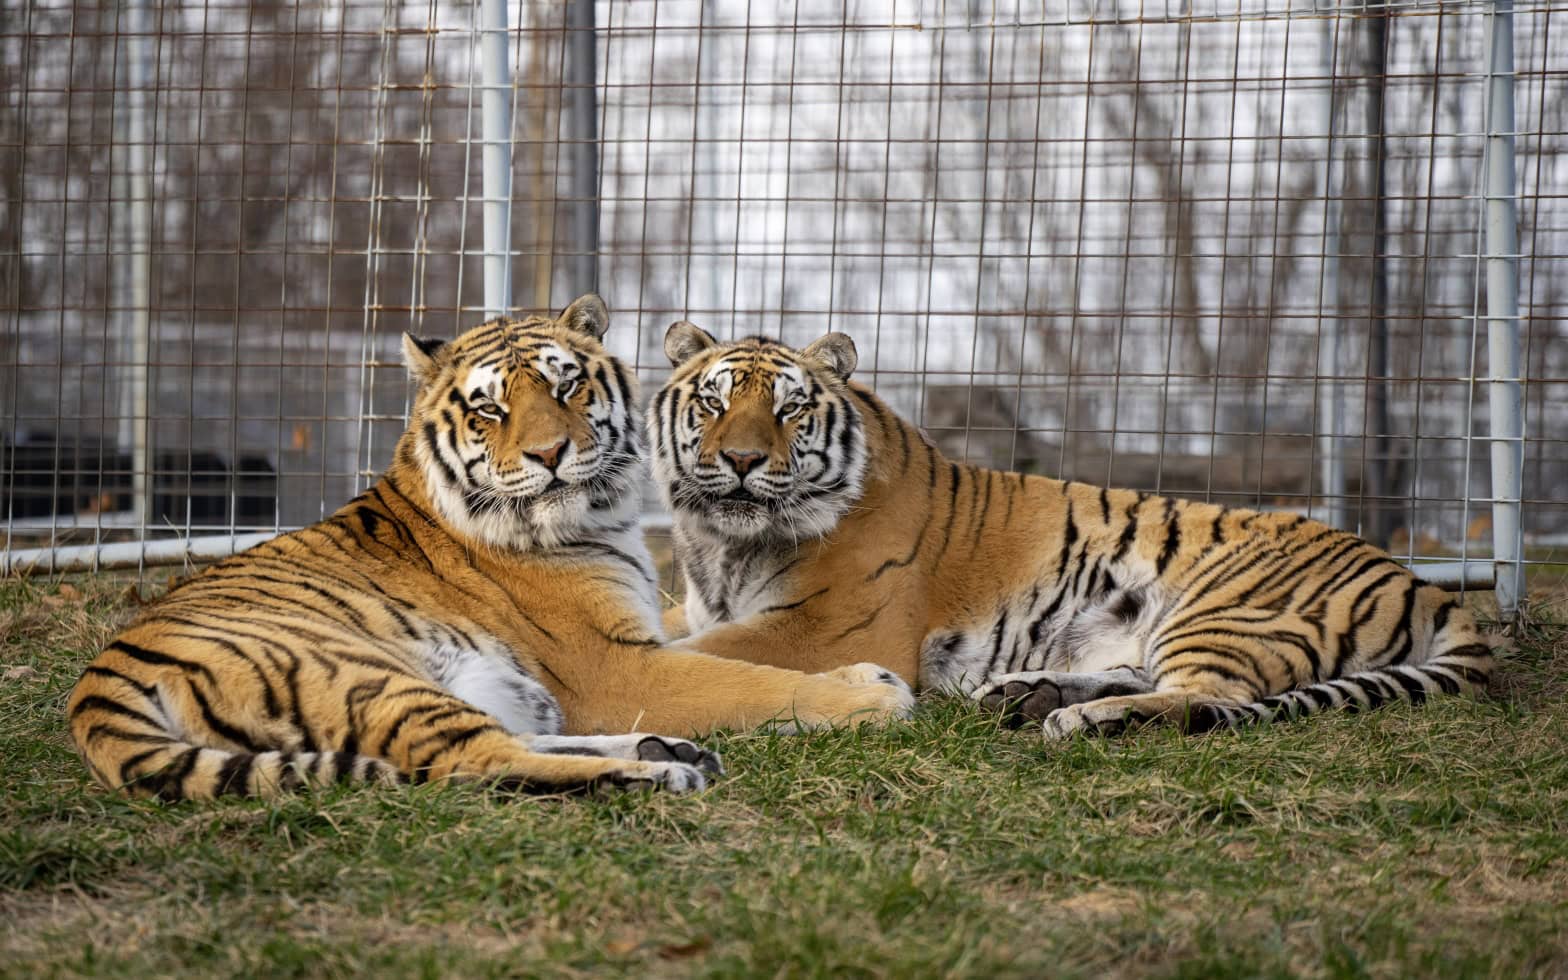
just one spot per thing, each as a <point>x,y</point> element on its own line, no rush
<point>128,747</point>
<point>1355,692</point>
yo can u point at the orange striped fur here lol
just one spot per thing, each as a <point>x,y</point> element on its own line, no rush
<point>486,610</point>
<point>815,527</point>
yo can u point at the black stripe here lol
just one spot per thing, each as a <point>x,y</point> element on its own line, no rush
<point>794,605</point>
<point>218,725</point>
<point>100,729</point>
<point>146,690</point>
<point>954,475</point>
<point>864,623</point>
<point>169,783</point>
<point>156,659</point>
<point>433,441</point>
<point>131,762</point>
<point>998,635</point>
<point>984,510</point>
<point>638,641</point>
<point>99,703</point>
<point>234,777</point>
<point>1128,533</point>
<point>453,739</point>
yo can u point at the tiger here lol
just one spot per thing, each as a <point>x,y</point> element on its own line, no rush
<point>486,611</point>
<point>813,526</point>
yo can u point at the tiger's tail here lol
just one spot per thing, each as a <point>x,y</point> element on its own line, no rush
<point>1460,663</point>
<point>129,742</point>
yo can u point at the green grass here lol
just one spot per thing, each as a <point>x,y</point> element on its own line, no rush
<point>1430,841</point>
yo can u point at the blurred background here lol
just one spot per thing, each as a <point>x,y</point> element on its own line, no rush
<point>1252,251</point>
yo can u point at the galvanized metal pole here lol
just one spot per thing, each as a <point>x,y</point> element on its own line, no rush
<point>1501,231</point>
<point>496,107</point>
<point>1331,412</point>
<point>583,135</point>
<point>138,159</point>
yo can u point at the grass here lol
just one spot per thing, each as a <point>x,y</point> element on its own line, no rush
<point>1429,841</point>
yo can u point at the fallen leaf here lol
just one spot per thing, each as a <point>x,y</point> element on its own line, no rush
<point>680,951</point>
<point>69,592</point>
<point>20,673</point>
<point>621,947</point>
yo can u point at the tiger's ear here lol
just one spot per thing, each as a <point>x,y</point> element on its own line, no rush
<point>422,356</point>
<point>684,341</point>
<point>836,352</point>
<point>587,314</point>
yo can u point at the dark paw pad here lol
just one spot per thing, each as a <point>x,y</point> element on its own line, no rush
<point>653,749</point>
<point>1021,703</point>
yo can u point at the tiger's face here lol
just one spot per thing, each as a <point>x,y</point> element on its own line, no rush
<point>754,438</point>
<point>526,430</point>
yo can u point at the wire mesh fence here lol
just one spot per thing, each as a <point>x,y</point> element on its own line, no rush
<point>1230,249</point>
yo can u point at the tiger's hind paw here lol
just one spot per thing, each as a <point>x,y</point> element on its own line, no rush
<point>1114,715</point>
<point>1064,723</point>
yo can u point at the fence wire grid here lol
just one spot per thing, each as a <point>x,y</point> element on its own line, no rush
<point>1228,249</point>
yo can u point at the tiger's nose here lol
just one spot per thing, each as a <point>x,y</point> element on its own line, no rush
<point>548,458</point>
<point>744,460</point>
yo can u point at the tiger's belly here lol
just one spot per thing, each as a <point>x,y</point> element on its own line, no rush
<point>1039,631</point>
<point>488,677</point>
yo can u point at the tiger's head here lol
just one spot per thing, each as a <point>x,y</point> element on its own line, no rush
<point>753,438</point>
<point>526,431</point>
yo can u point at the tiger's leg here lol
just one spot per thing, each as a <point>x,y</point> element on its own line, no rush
<point>1192,671</point>
<point>502,688</point>
<point>1031,696</point>
<point>428,733</point>
<point>636,745</point>
<point>690,693</point>
<point>1109,716</point>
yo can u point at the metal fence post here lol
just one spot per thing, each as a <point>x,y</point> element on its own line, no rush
<point>496,106</point>
<point>1501,231</point>
<point>139,186</point>
<point>583,134</point>
<point>1331,397</point>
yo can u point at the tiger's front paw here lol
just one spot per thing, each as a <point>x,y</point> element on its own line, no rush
<point>886,687</point>
<point>869,673</point>
<point>859,692</point>
<point>671,777</point>
<point>657,748</point>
